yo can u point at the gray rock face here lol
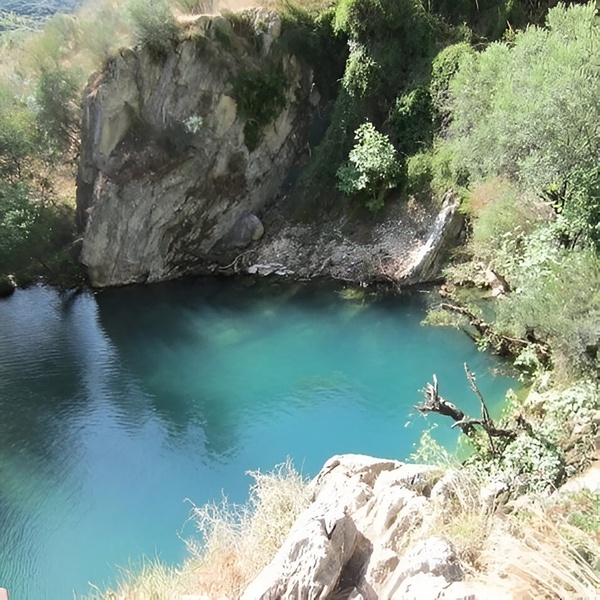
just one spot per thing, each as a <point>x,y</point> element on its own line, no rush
<point>166,171</point>
<point>356,539</point>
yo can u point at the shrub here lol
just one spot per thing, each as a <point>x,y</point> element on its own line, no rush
<point>411,120</point>
<point>18,217</point>
<point>154,25</point>
<point>419,174</point>
<point>367,20</point>
<point>530,110</point>
<point>17,136</point>
<point>502,217</point>
<point>260,97</point>
<point>557,294</point>
<point>372,167</point>
<point>443,68</point>
<point>362,75</point>
<point>58,110</point>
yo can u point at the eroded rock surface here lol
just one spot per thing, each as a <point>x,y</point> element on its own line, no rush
<point>168,165</point>
<point>368,534</point>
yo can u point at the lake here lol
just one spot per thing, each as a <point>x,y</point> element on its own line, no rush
<point>116,407</point>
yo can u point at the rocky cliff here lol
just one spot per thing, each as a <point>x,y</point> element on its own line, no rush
<point>179,151</point>
<point>372,531</point>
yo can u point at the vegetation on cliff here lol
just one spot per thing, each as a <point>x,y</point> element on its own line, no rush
<point>496,99</point>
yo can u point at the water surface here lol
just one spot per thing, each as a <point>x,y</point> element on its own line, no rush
<point>116,407</point>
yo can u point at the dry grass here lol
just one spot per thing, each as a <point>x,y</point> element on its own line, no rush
<point>540,548</point>
<point>543,555</point>
<point>235,543</point>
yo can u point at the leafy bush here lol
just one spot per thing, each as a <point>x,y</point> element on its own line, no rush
<point>33,232</point>
<point>260,97</point>
<point>411,119</point>
<point>58,110</point>
<point>443,68</point>
<point>557,294</point>
<point>154,25</point>
<point>530,110</point>
<point>362,74</point>
<point>18,217</point>
<point>366,20</point>
<point>17,136</point>
<point>419,174</point>
<point>372,167</point>
<point>502,217</point>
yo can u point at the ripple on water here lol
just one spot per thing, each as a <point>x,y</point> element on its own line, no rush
<point>116,407</point>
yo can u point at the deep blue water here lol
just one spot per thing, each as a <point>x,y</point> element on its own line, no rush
<point>116,407</point>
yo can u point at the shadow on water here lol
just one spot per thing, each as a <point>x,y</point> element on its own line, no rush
<point>190,344</point>
<point>116,406</point>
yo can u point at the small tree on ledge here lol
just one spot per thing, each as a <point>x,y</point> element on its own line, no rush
<point>372,167</point>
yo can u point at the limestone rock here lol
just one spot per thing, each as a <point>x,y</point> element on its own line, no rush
<point>247,229</point>
<point>353,541</point>
<point>166,169</point>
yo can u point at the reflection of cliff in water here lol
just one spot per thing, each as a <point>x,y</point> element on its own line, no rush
<point>173,339</point>
<point>46,360</point>
<point>201,351</point>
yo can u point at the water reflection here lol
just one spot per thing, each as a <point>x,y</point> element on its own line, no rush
<point>114,407</point>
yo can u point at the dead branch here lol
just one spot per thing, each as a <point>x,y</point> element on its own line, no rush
<point>433,402</point>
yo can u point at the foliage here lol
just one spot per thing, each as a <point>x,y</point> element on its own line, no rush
<point>443,68</point>
<point>18,135</point>
<point>18,217</point>
<point>154,25</point>
<point>33,234</point>
<point>543,87</point>
<point>58,111</point>
<point>362,74</point>
<point>372,167</point>
<point>502,217</point>
<point>260,97</point>
<point>366,20</point>
<point>307,32</point>
<point>411,120</point>
<point>557,294</point>
<point>532,462</point>
<point>419,175</point>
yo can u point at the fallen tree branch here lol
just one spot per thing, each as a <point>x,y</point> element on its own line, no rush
<point>433,402</point>
<point>502,344</point>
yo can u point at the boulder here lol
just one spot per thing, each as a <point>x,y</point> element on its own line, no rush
<point>247,229</point>
<point>354,540</point>
<point>171,165</point>
<point>8,285</point>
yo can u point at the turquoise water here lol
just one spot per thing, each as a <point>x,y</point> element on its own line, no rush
<point>117,407</point>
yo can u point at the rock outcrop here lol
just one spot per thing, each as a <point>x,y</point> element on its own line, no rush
<point>173,160</point>
<point>369,533</point>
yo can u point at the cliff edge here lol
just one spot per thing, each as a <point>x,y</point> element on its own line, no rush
<point>177,148</point>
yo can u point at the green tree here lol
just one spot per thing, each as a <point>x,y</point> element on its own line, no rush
<point>372,167</point>
<point>17,220</point>
<point>18,136</point>
<point>57,96</point>
<point>530,110</point>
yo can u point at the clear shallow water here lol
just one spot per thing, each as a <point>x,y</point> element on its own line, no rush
<point>116,407</point>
